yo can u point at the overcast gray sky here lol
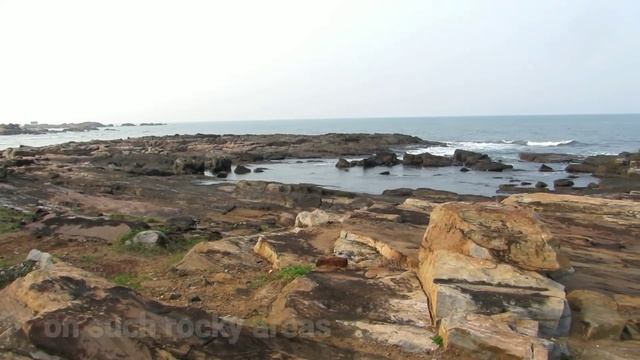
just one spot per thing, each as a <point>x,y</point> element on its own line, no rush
<point>117,61</point>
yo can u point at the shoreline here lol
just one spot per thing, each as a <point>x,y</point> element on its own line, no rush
<point>127,222</point>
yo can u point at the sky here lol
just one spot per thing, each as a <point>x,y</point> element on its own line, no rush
<point>169,61</point>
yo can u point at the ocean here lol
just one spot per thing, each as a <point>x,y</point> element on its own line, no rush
<point>501,137</point>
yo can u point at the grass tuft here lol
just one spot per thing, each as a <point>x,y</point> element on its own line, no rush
<point>11,220</point>
<point>128,280</point>
<point>437,339</point>
<point>294,271</point>
<point>286,274</point>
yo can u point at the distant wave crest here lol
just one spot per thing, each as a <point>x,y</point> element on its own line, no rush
<point>491,146</point>
<point>540,143</point>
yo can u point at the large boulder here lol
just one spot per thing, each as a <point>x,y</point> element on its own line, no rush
<point>595,315</point>
<point>468,158</point>
<point>492,231</point>
<point>457,284</point>
<point>426,160</point>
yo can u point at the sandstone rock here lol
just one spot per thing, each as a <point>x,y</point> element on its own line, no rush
<point>595,315</point>
<point>232,254</point>
<point>241,170</point>
<point>562,183</point>
<point>491,231</point>
<point>150,238</point>
<point>621,211</point>
<point>83,228</point>
<point>315,218</point>
<point>66,313</point>
<point>356,252</point>
<point>457,284</point>
<point>629,309</point>
<point>395,311</point>
<point>296,247</point>
<point>494,337</point>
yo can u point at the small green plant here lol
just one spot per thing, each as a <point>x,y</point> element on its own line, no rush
<point>4,263</point>
<point>127,280</point>
<point>88,259</point>
<point>11,220</point>
<point>437,339</point>
<point>259,281</point>
<point>294,271</point>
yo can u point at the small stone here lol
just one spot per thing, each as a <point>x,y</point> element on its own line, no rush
<point>149,238</point>
<point>385,173</point>
<point>241,170</point>
<point>545,168</point>
<point>563,183</point>
<point>541,185</point>
<point>195,299</point>
<point>464,169</point>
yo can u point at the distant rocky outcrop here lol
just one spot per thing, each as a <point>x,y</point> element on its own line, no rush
<point>549,157</point>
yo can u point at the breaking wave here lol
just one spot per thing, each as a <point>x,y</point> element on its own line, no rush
<point>501,146</point>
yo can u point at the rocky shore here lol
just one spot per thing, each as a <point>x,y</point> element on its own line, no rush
<point>37,129</point>
<point>136,259</point>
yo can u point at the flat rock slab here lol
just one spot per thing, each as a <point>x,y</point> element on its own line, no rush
<point>84,228</point>
<point>494,337</point>
<point>397,242</point>
<point>297,247</point>
<point>232,255</point>
<point>36,309</point>
<point>389,310</point>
